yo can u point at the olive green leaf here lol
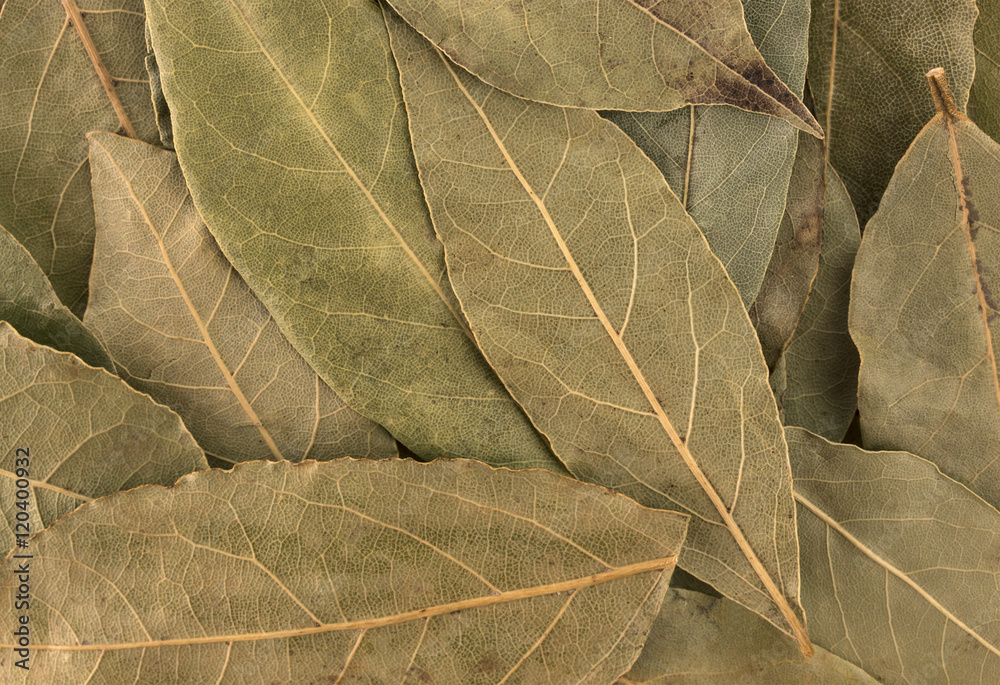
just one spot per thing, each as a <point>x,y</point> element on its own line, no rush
<point>923,313</point>
<point>182,325</point>
<point>899,564</point>
<point>160,106</point>
<point>637,55</point>
<point>367,571</point>
<point>301,167</point>
<point>28,303</point>
<point>984,108</point>
<point>68,68</point>
<point>867,62</point>
<point>702,640</point>
<point>795,260</point>
<point>818,372</point>
<point>729,167</point>
<point>597,300</point>
<point>86,434</point>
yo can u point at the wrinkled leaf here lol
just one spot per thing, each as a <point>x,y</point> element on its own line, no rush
<point>182,325</point>
<point>597,300</point>
<point>818,373</point>
<point>795,260</point>
<point>729,167</point>
<point>638,55</point>
<point>867,62</point>
<point>984,107</point>
<point>365,571</point>
<point>51,95</point>
<point>160,107</point>
<point>899,564</point>
<point>702,640</point>
<point>304,175</point>
<point>28,303</point>
<point>923,313</point>
<point>87,434</point>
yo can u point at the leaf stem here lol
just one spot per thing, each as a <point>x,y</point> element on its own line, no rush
<point>944,103</point>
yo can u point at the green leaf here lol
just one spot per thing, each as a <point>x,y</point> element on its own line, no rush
<point>87,434</point>
<point>349,571</point>
<point>795,260</point>
<point>702,640</point>
<point>729,167</point>
<point>819,368</point>
<point>183,326</point>
<point>899,564</point>
<point>302,169</point>
<point>160,106</point>
<point>51,94</point>
<point>597,300</point>
<point>29,304</point>
<point>867,62</point>
<point>635,55</point>
<point>923,313</point>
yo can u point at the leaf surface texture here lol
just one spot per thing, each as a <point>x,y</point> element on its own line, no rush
<point>88,434</point>
<point>301,168</point>
<point>51,95</point>
<point>899,567</point>
<point>597,300</point>
<point>923,313</point>
<point>729,167</point>
<point>640,55</point>
<point>370,571</point>
<point>183,326</point>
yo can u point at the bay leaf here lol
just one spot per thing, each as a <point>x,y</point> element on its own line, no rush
<point>600,305</point>
<point>795,260</point>
<point>86,434</point>
<point>819,368</point>
<point>983,106</point>
<point>702,640</point>
<point>639,55</point>
<point>922,309</point>
<point>899,564</point>
<point>349,571</point>
<point>51,95</point>
<point>182,325</point>
<point>30,305</point>
<point>867,62</point>
<point>160,107</point>
<point>312,195</point>
<point>731,168</point>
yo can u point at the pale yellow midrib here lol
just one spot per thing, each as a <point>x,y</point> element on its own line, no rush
<point>206,336</point>
<point>47,486</point>
<point>864,549</point>
<point>984,308</point>
<point>777,597</point>
<point>654,565</point>
<point>832,74</point>
<point>354,177</point>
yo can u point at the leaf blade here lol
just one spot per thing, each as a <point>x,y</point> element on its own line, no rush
<point>537,355</point>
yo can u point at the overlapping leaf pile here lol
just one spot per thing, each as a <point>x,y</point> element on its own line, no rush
<point>497,313</point>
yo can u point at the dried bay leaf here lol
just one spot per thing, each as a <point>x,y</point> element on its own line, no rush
<point>160,107</point>
<point>867,62</point>
<point>312,194</point>
<point>795,260</point>
<point>602,308</point>
<point>899,564</point>
<point>731,168</point>
<point>922,309</point>
<point>637,55</point>
<point>365,571</point>
<point>702,640</point>
<point>816,379</point>
<point>182,325</point>
<point>51,95</point>
<point>983,106</point>
<point>87,434</point>
<point>30,305</point>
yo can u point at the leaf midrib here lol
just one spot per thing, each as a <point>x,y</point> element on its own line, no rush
<point>572,585</point>
<point>777,597</point>
<point>202,328</point>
